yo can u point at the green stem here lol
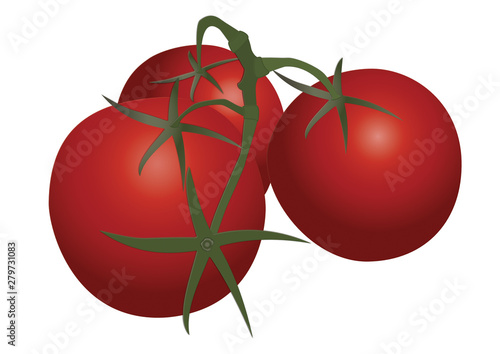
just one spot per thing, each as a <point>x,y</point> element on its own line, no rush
<point>253,69</point>
<point>212,21</point>
<point>248,130</point>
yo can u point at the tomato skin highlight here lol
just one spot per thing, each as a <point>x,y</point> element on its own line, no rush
<point>175,62</point>
<point>96,186</point>
<point>394,186</point>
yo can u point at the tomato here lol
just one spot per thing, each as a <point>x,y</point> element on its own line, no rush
<point>394,185</point>
<point>175,62</point>
<point>95,186</point>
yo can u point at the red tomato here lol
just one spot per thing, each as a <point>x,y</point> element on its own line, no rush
<point>393,188</point>
<point>96,187</point>
<point>175,62</point>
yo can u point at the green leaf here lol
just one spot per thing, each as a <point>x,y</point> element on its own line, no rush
<point>193,62</point>
<point>225,270</point>
<point>337,78</point>
<point>174,79</point>
<point>312,91</point>
<point>199,222</point>
<point>211,66</point>
<point>200,261</point>
<point>343,122</point>
<point>173,110</point>
<point>193,86</point>
<point>159,141</point>
<point>181,154</point>
<point>206,132</point>
<point>360,102</point>
<point>138,116</point>
<point>157,244</point>
<point>329,105</point>
<point>211,79</point>
<point>273,64</point>
<point>229,237</point>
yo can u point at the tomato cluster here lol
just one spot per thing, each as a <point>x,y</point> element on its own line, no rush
<point>162,192</point>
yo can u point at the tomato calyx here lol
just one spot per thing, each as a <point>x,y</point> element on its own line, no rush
<point>172,128</point>
<point>332,101</point>
<point>207,245</point>
<point>198,72</point>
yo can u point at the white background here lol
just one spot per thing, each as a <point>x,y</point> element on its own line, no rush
<point>53,80</point>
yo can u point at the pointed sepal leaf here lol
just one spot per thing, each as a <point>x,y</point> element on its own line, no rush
<point>229,237</point>
<point>193,62</point>
<point>327,107</point>
<point>212,80</point>
<point>138,116</point>
<point>181,155</point>
<point>159,141</point>
<point>312,91</point>
<point>173,110</point>
<point>343,121</point>
<point>175,78</point>
<point>224,268</point>
<point>360,102</point>
<point>157,244</point>
<point>193,86</point>
<point>189,128</point>
<point>200,261</point>
<point>216,64</point>
<point>199,222</point>
<point>337,78</point>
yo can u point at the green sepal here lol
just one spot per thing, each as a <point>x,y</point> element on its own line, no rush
<point>200,224</point>
<point>224,268</point>
<point>138,116</point>
<point>309,90</point>
<point>230,237</point>
<point>157,244</point>
<point>199,264</point>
